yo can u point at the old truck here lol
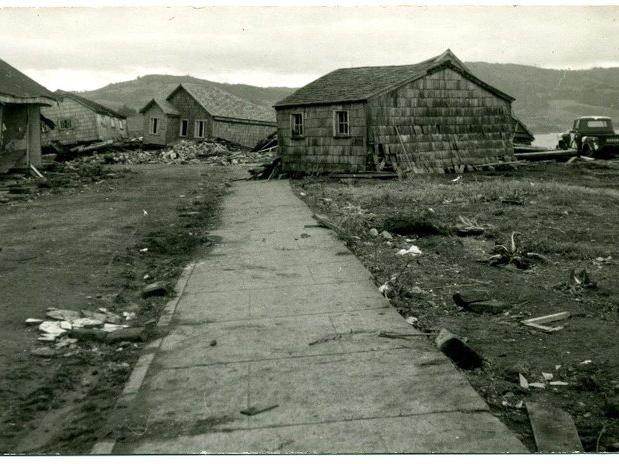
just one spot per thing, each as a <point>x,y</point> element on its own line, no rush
<point>591,135</point>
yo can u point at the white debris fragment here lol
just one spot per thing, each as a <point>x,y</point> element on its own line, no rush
<point>128,315</point>
<point>537,385</point>
<point>412,320</point>
<point>143,250</point>
<point>87,322</point>
<point>33,321</point>
<point>113,327</point>
<point>62,314</point>
<point>51,327</point>
<point>524,383</point>
<point>47,337</point>
<point>558,383</point>
<point>373,232</point>
<point>547,376</point>
<point>384,288</point>
<point>413,250</point>
<point>586,361</point>
<point>66,325</point>
<point>456,179</point>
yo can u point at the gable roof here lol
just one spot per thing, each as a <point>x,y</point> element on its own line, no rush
<point>219,103</point>
<point>15,86</point>
<point>164,105</point>
<point>93,105</point>
<point>359,84</point>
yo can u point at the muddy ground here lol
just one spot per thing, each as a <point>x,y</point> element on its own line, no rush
<point>567,213</point>
<point>84,247</point>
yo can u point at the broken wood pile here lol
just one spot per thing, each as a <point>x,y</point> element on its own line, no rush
<point>267,171</point>
<point>558,155</point>
<point>268,144</point>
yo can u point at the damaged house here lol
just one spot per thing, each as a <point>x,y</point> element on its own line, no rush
<point>80,120</point>
<point>198,112</point>
<point>522,134</point>
<point>426,117</point>
<point>21,100</point>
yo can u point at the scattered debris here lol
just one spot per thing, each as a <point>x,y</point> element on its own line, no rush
<point>413,250</point>
<point>524,383</point>
<point>62,314</point>
<point>325,222</point>
<point>553,429</point>
<point>386,235</point>
<point>536,322</point>
<point>515,255</point>
<point>457,350</point>
<point>467,227</point>
<point>373,232</point>
<point>127,334</point>
<point>558,383</point>
<point>213,343</point>
<point>253,410</point>
<point>387,334</point>
<point>582,279</point>
<point>155,289</point>
<point>33,321</point>
<point>547,376</point>
<point>267,170</point>
<point>412,320</point>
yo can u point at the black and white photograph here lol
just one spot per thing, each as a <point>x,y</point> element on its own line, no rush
<point>363,229</point>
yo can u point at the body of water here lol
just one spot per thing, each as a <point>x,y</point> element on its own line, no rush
<point>547,140</point>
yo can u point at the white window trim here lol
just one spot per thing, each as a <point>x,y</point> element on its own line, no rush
<point>180,130</point>
<point>292,134</point>
<point>113,122</point>
<point>195,129</point>
<point>336,132</point>
<point>150,126</point>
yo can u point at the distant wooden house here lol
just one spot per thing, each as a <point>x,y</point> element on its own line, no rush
<point>431,116</point>
<point>81,120</point>
<point>198,112</point>
<point>522,134</point>
<point>21,100</point>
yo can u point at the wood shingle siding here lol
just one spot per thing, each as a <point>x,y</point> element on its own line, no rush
<point>216,113</point>
<point>79,120</point>
<point>429,117</point>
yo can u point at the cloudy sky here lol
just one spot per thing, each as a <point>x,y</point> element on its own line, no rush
<point>81,49</point>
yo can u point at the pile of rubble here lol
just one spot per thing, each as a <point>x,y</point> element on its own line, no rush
<point>64,328</point>
<point>187,152</point>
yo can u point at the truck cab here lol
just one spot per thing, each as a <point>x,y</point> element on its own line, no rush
<point>591,135</point>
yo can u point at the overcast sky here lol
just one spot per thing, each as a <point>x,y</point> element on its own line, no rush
<point>82,49</point>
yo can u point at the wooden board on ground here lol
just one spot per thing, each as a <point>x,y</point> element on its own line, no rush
<point>553,429</point>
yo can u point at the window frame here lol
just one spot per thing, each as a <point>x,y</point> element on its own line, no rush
<point>336,124</point>
<point>180,131</point>
<point>65,124</point>
<point>293,125</point>
<point>195,129</point>
<point>113,122</point>
<point>153,129</point>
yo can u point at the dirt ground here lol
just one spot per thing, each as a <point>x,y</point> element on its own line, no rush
<point>565,213</point>
<point>85,248</point>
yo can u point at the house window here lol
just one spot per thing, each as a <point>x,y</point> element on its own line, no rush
<point>184,127</point>
<point>296,125</point>
<point>340,123</point>
<point>121,124</point>
<point>113,122</point>
<point>64,124</point>
<point>154,126</point>
<point>200,129</point>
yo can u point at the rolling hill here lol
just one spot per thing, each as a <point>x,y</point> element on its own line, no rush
<point>547,100</point>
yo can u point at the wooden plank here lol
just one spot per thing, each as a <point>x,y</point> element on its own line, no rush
<point>553,429</point>
<point>548,318</point>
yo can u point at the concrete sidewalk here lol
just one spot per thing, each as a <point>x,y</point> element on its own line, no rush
<point>282,315</point>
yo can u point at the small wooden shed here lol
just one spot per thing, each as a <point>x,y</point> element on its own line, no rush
<point>21,100</point>
<point>192,111</point>
<point>80,120</point>
<point>522,134</point>
<point>429,117</point>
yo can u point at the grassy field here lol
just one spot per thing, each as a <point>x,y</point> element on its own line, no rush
<point>565,213</point>
<point>80,249</point>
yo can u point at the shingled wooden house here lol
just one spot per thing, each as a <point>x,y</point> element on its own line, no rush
<point>431,116</point>
<point>198,112</point>
<point>21,100</point>
<point>80,120</point>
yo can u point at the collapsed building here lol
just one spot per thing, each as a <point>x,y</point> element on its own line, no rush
<point>21,100</point>
<point>196,112</point>
<point>426,117</point>
<point>80,120</point>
